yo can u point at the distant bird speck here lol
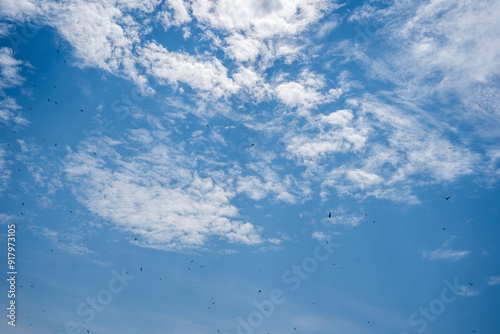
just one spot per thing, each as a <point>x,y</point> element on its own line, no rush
<point>447,198</point>
<point>252,145</point>
<point>330,215</point>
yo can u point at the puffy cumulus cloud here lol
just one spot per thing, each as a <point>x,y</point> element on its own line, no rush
<point>445,254</point>
<point>362,178</point>
<point>158,196</point>
<point>208,75</point>
<point>341,217</point>
<point>306,92</point>
<point>381,149</point>
<point>337,132</point>
<point>243,48</point>
<point>260,18</point>
<point>101,34</point>
<point>252,82</point>
<point>17,9</point>
<point>494,280</point>
<point>176,13</point>
<point>261,31</point>
<point>114,35</point>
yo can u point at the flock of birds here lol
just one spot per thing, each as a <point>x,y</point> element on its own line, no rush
<point>188,268</point>
<point>202,266</point>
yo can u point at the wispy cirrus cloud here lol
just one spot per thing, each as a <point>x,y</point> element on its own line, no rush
<point>444,252</point>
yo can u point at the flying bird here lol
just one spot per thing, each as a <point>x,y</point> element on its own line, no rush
<point>444,228</point>
<point>252,145</point>
<point>447,198</point>
<point>471,284</point>
<point>260,291</point>
<point>141,268</point>
<point>81,110</point>
<point>330,215</point>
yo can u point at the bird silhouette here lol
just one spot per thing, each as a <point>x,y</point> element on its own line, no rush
<point>447,198</point>
<point>252,145</point>
<point>330,215</point>
<point>141,268</point>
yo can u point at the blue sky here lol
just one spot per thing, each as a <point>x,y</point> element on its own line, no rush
<point>171,165</point>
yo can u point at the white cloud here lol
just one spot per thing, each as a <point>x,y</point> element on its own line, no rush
<point>445,253</point>
<point>17,8</point>
<point>306,91</point>
<point>207,75</point>
<point>177,13</point>
<point>158,197</point>
<point>494,280</point>
<point>319,236</point>
<point>9,69</point>
<point>467,291</point>
<point>242,48</point>
<point>261,18</point>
